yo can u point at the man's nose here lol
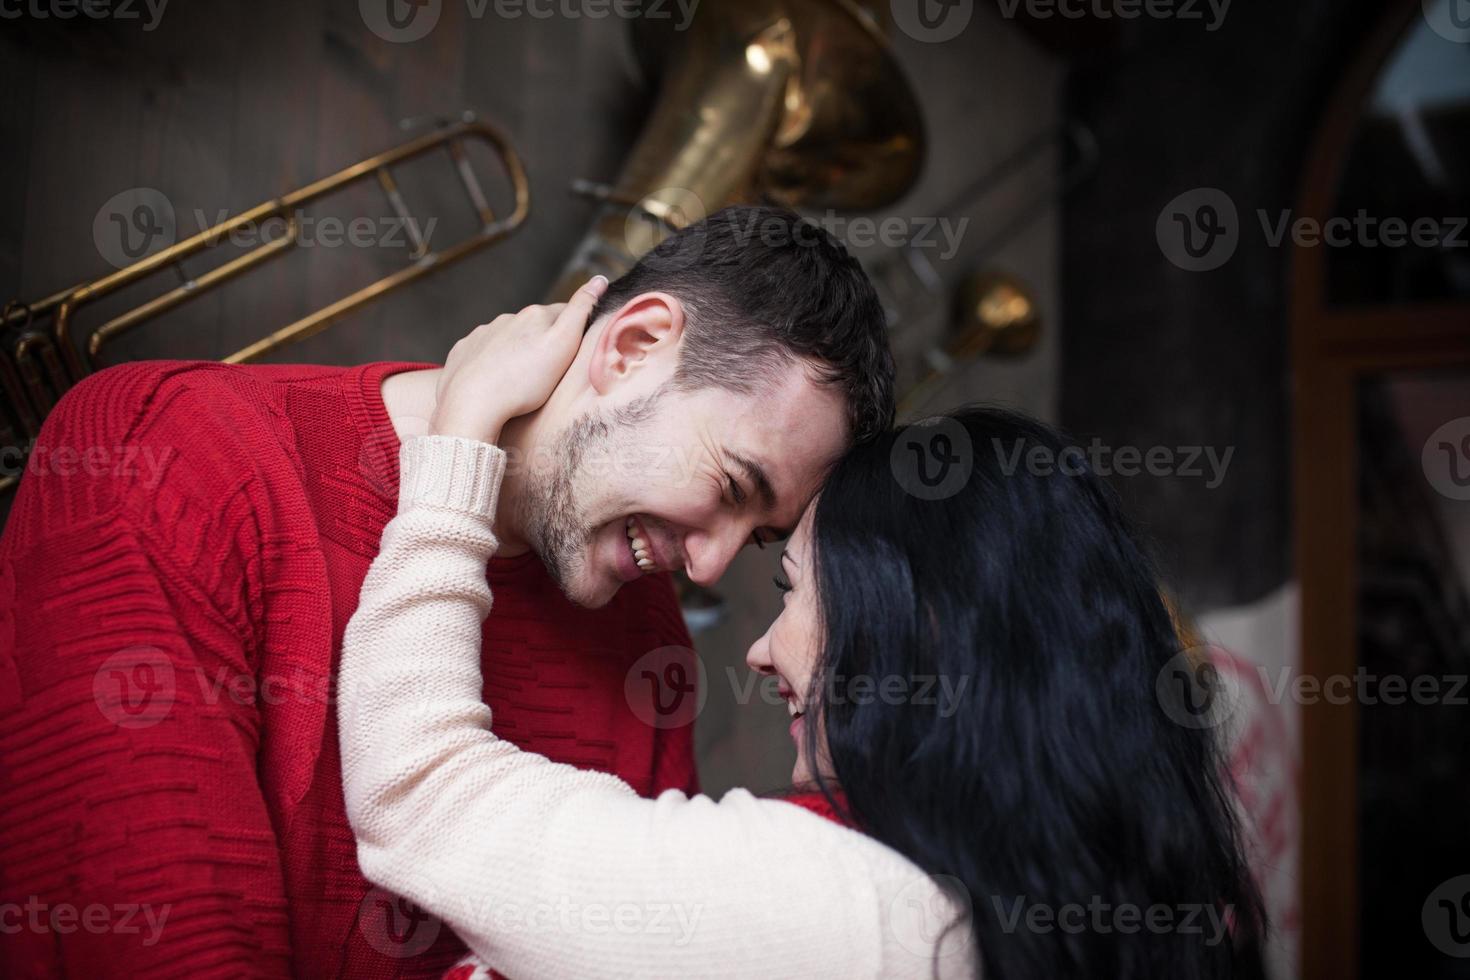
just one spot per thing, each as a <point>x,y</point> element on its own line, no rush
<point>710,554</point>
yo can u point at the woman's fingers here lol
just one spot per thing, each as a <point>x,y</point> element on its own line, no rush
<point>575,311</point>
<point>511,365</point>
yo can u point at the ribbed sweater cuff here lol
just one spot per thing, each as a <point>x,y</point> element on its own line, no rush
<point>450,472</point>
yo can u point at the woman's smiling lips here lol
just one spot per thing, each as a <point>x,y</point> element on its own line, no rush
<point>798,715</point>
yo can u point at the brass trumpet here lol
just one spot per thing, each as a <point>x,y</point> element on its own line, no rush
<point>40,359</point>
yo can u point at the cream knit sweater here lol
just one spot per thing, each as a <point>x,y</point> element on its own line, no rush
<point>549,871</point>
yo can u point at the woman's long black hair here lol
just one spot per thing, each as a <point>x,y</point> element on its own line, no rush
<point>1049,776</point>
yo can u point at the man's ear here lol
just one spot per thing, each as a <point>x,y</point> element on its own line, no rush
<point>643,334</point>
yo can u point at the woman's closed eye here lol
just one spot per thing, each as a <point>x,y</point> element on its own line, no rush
<point>781,583</point>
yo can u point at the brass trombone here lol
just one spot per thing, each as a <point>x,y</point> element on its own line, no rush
<point>40,360</point>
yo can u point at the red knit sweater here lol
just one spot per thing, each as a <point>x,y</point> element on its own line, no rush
<point>182,556</point>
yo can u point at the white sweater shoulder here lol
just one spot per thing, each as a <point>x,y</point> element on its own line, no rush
<point>550,871</point>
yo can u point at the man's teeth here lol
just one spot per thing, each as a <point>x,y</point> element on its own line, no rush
<point>642,557</point>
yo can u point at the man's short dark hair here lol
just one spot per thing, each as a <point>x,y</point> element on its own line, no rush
<point>762,286</point>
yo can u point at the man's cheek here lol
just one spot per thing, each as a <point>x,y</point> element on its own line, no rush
<point>686,468</point>
<point>664,465</point>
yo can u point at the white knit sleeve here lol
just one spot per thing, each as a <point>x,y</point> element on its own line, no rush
<point>550,871</point>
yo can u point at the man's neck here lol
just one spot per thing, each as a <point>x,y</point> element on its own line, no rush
<point>409,398</point>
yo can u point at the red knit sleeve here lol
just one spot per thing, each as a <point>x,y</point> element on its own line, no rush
<point>136,840</point>
<point>674,765</point>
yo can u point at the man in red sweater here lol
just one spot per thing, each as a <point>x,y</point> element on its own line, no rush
<point>189,540</point>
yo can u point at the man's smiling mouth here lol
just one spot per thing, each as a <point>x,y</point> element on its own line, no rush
<point>638,543</point>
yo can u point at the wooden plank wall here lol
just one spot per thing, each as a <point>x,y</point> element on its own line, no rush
<point>225,105</point>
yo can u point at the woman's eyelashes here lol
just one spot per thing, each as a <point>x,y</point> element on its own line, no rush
<point>781,583</point>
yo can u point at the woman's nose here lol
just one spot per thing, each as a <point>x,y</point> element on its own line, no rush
<point>758,657</point>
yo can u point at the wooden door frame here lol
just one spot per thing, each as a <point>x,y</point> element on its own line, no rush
<point>1332,350</point>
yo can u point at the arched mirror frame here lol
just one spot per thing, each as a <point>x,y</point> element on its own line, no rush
<point>1334,348</point>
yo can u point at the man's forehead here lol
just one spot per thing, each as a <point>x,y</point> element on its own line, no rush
<point>787,412</point>
<point>787,434</point>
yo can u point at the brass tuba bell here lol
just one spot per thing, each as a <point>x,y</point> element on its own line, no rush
<point>799,102</point>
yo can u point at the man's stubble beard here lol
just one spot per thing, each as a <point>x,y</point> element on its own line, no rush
<point>554,522</point>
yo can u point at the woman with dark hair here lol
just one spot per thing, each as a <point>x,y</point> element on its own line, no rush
<point>986,781</point>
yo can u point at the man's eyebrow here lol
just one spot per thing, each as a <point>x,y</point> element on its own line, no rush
<point>757,475</point>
